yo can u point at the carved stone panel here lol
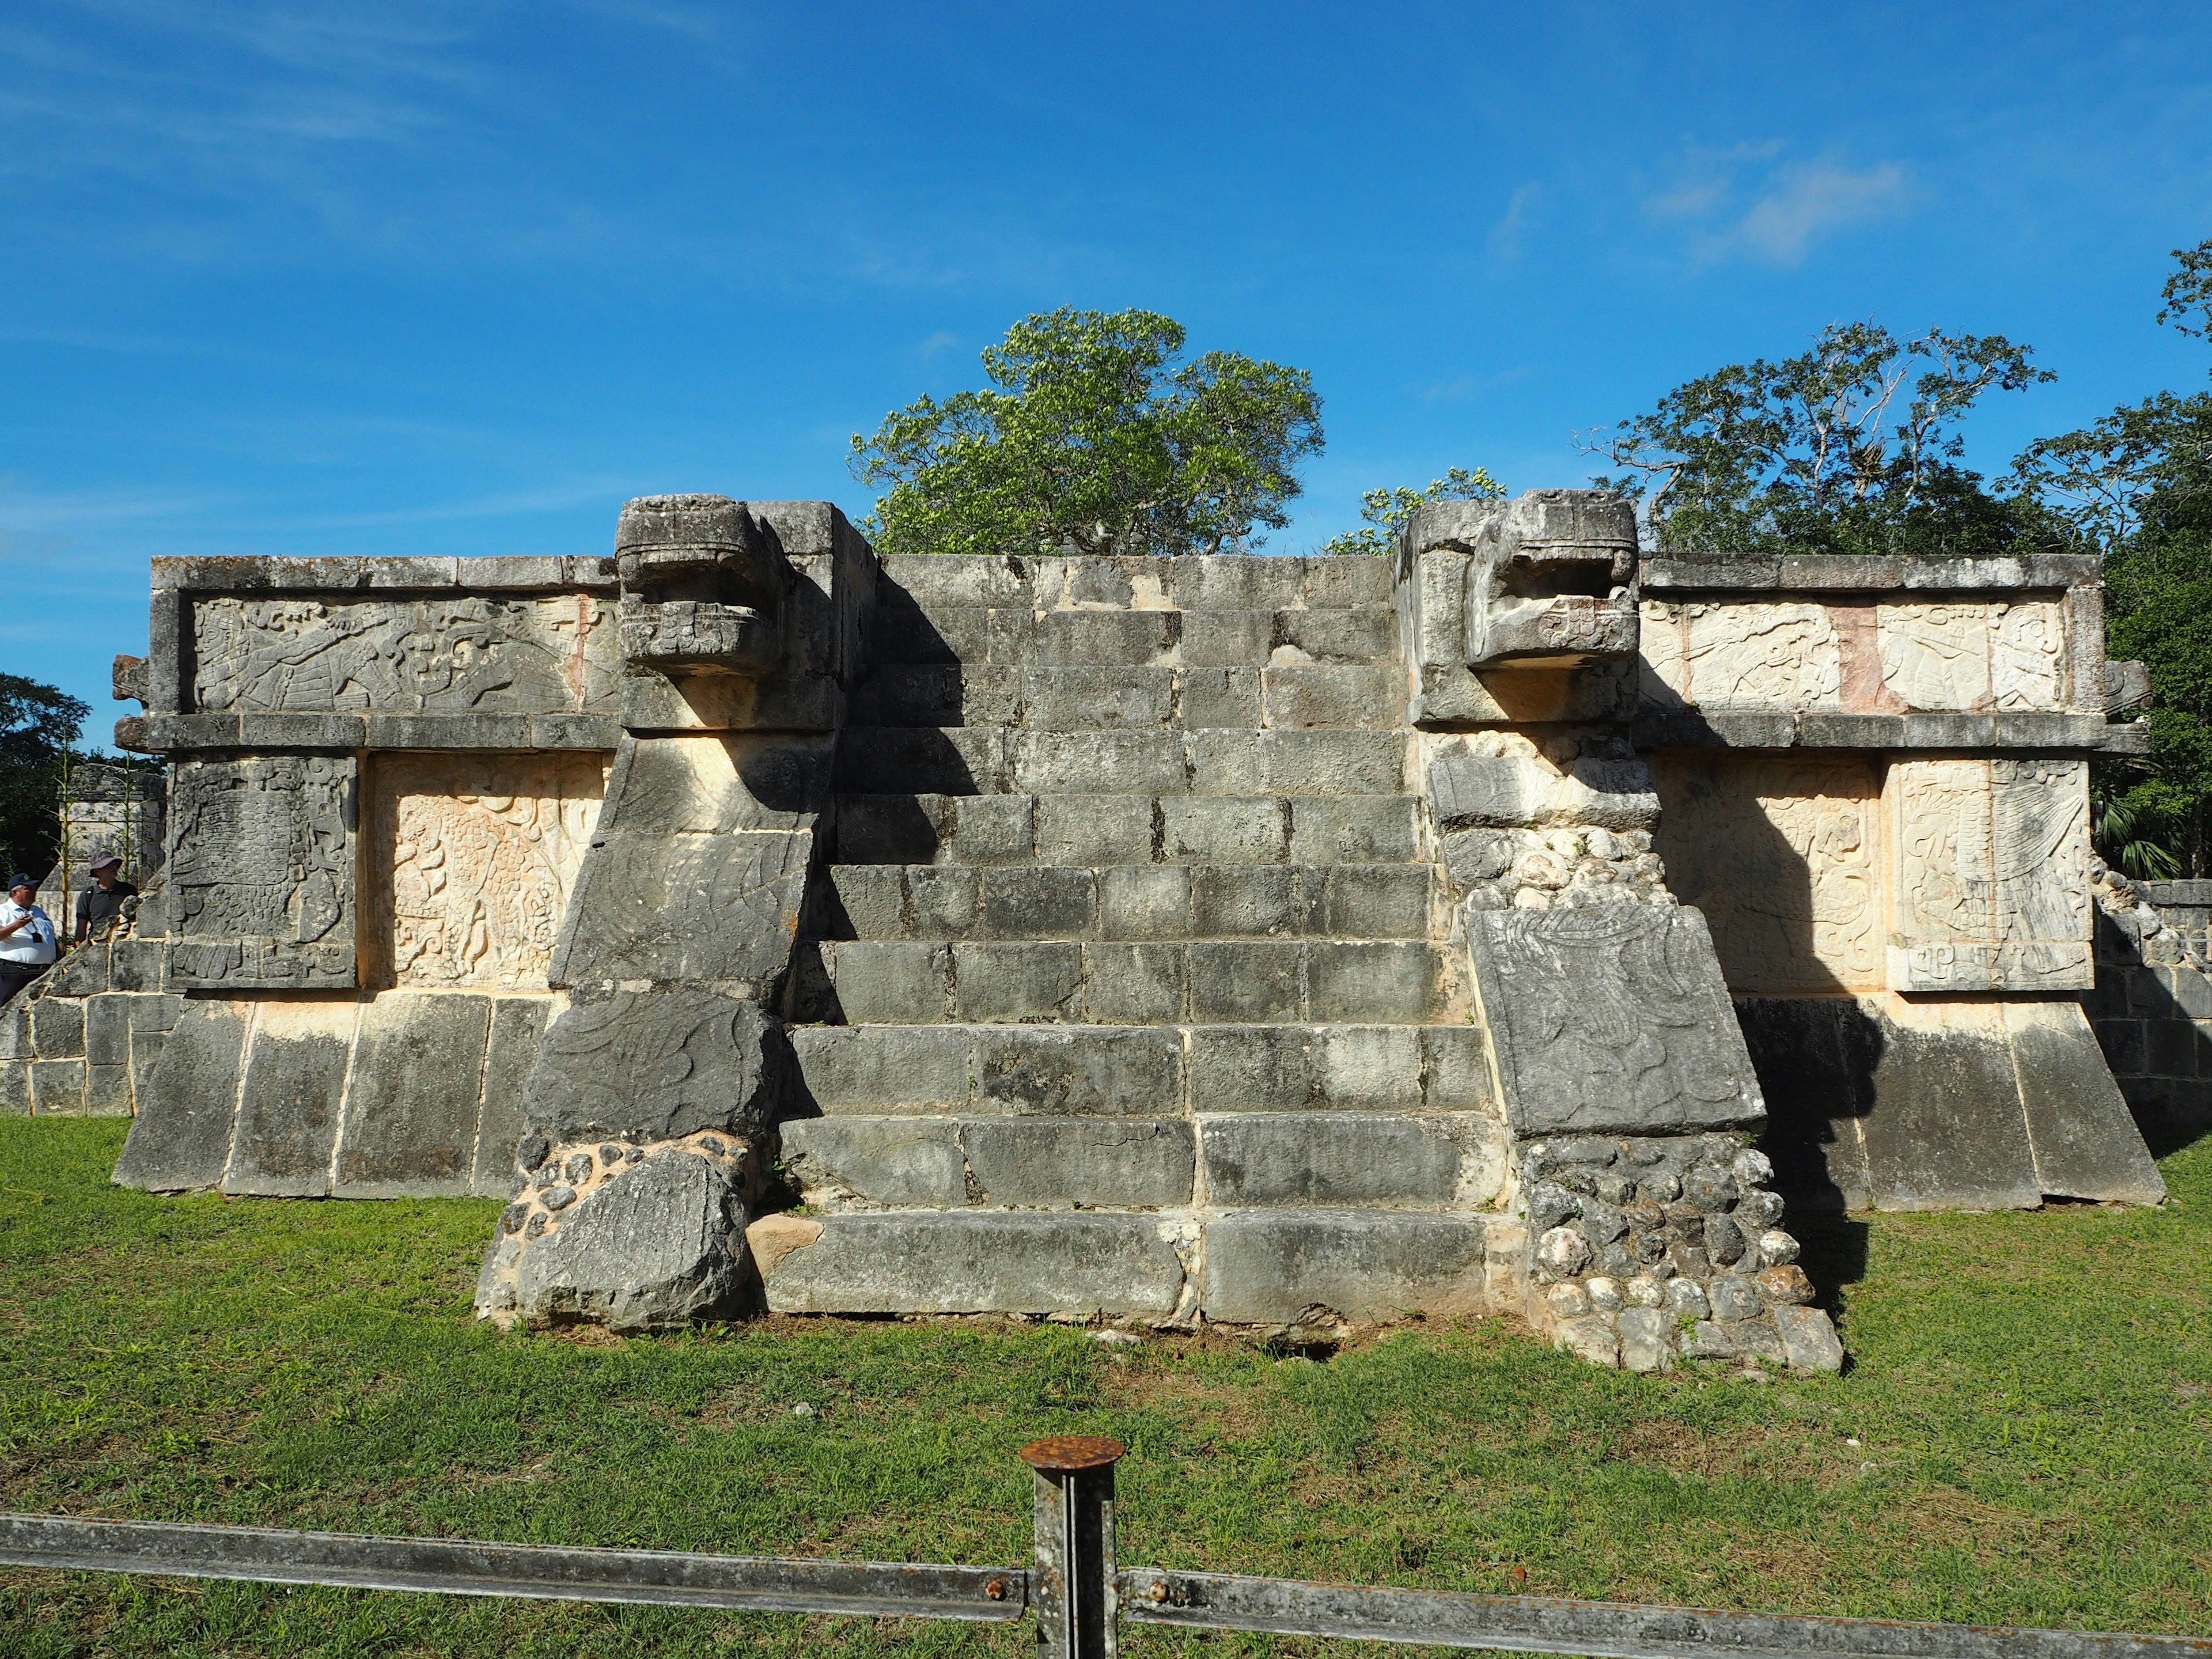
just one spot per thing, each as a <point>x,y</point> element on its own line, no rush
<point>1785,857</point>
<point>1990,891</point>
<point>472,857</point>
<point>261,872</point>
<point>2027,655</point>
<point>473,653</point>
<point>1765,656</point>
<point>1935,656</point>
<point>1611,1019</point>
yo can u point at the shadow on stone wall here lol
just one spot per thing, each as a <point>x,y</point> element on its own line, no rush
<point>2152,1009</point>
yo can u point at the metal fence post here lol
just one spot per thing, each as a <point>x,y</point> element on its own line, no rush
<point>1074,1597</point>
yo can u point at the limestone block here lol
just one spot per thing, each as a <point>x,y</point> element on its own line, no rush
<point>650,1065</point>
<point>1786,857</point>
<point>1094,829</point>
<point>441,654</point>
<point>472,859</point>
<point>1610,1018</point>
<point>1135,984</point>
<point>260,873</point>
<point>1393,1160</point>
<point>661,1243</point>
<point>841,1161</point>
<point>1042,1070</point>
<point>1272,1266</point>
<point>1470,790</point>
<point>56,1087</point>
<point>1549,577</point>
<point>518,1027</point>
<point>1935,656</point>
<point>1354,829</point>
<point>58,1027</point>
<point>14,1088</point>
<point>976,1261</point>
<point>1224,829</point>
<point>883,1068</point>
<point>1297,762</point>
<point>1990,889</point>
<point>1947,1130</point>
<point>1120,1162</point>
<point>413,1100</point>
<point>713,784</point>
<point>651,906</point>
<point>1815,1059</point>
<point>2085,1144</point>
<point>296,1060</point>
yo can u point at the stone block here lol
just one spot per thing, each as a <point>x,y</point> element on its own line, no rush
<point>844,1068</point>
<point>1457,1066</point>
<point>16,1028</point>
<point>1613,1019</point>
<point>1297,763</point>
<point>2085,1142</point>
<point>180,1139</point>
<point>1098,699</point>
<point>2191,991</point>
<point>1223,829</point>
<point>1000,982</point>
<point>991,829</point>
<point>928,694</point>
<point>1272,1266</point>
<point>288,1102</point>
<point>1060,1070</point>
<point>1225,639</point>
<point>1145,901</point>
<point>1226,698</point>
<point>412,1104</point>
<point>1263,1068</point>
<point>1233,581</point>
<point>1808,1340</point>
<point>1391,980</point>
<point>942,900</point>
<point>135,964</point>
<point>1103,639</point>
<point>1248,900</point>
<point>108,1090</point>
<point>661,1244</point>
<point>1815,1059</point>
<point>107,1030</point>
<point>981,1262</point>
<point>653,906</point>
<point>872,897</point>
<point>2126,1046</point>
<point>1038,902</point>
<point>1300,695</point>
<point>56,1087</point>
<point>940,579</point>
<point>895,828</point>
<point>1248,980</point>
<point>1355,829</point>
<point>1344,1159</point>
<point>921,760</point>
<point>14,1088</point>
<point>890,983</point>
<point>1371,1067</point>
<point>1076,762</point>
<point>2173,1049</point>
<point>1377,901</point>
<point>1367,635</point>
<point>1497,792</point>
<point>518,1028</point>
<point>1647,1341</point>
<point>1134,984</point>
<point>1334,583</point>
<point>1947,1131</point>
<point>647,1066</point>
<point>1127,1163</point>
<point>1094,829</point>
<point>877,1160</point>
<point>58,1028</point>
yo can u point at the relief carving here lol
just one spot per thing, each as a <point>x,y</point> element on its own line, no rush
<point>1610,1018</point>
<point>261,868</point>
<point>1991,886</point>
<point>1781,656</point>
<point>470,654</point>
<point>2028,643</point>
<point>475,857</point>
<point>1784,857</point>
<point>1935,656</point>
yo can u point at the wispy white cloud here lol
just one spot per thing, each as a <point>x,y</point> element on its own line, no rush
<point>1745,201</point>
<point>1507,235</point>
<point>937,344</point>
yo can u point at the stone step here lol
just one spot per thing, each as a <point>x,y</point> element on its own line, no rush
<point>1232,582</point>
<point>973,760</point>
<point>1158,1070</point>
<point>1252,1267</point>
<point>1134,902</point>
<point>1384,1160</point>
<point>1286,695</point>
<point>1127,829</point>
<point>1359,982</point>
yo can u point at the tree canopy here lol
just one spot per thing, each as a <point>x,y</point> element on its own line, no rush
<point>1851,448</point>
<point>38,724</point>
<point>1094,436</point>
<point>1386,511</point>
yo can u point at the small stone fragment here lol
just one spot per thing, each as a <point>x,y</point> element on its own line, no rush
<point>559,1198</point>
<point>538,1223</point>
<point>1808,1340</point>
<point>1691,1260</point>
<point>546,1176</point>
<point>1591,1338</point>
<point>1563,1250</point>
<point>1758,1209</point>
<point>1616,1189</point>
<point>1723,1241</point>
<point>577,1167</point>
<point>1706,1340</point>
<point>1601,1223</point>
<point>1777,1247</point>
<point>1567,1300</point>
<point>709,1144</point>
<point>1604,1293</point>
<point>531,1152</point>
<point>1549,1204</point>
<point>1734,1296</point>
<point>1786,1284</point>
<point>1116,1339</point>
<point>1646,1340</point>
<point>1710,1190</point>
<point>610,1155</point>
<point>1688,1299</point>
<point>512,1217</point>
<point>1643,1291</point>
<point>1758,1338</point>
<point>1752,1167</point>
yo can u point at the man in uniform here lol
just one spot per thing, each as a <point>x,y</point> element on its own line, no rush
<point>28,946</point>
<point>99,905</point>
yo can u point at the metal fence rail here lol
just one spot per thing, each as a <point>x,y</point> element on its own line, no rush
<point>1079,1597</point>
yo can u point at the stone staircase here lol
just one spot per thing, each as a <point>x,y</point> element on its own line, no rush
<point>1127,988</point>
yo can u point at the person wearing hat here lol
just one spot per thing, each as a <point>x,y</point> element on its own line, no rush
<point>99,905</point>
<point>28,946</point>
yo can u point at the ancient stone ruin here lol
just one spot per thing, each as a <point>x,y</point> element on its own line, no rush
<point>1514,926</point>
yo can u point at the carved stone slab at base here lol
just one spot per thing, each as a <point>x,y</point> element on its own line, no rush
<point>1991,888</point>
<point>1610,1018</point>
<point>180,1139</point>
<point>261,874</point>
<point>661,1244</point>
<point>472,858</point>
<point>649,1066</point>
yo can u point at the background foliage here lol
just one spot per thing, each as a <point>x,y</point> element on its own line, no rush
<point>38,724</point>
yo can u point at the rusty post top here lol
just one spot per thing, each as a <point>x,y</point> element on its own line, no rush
<point>1066,1454</point>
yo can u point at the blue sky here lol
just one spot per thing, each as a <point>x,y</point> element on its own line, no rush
<point>426,278</point>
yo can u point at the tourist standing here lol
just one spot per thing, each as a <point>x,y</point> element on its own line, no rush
<point>28,944</point>
<point>99,905</point>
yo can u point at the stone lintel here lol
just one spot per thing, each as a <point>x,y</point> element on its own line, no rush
<point>2060,732</point>
<point>1675,573</point>
<point>254,574</point>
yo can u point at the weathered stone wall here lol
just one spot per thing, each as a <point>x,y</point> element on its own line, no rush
<point>2152,1002</point>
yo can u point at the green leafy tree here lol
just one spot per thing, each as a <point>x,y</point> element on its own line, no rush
<point>1094,436</point>
<point>38,724</point>
<point>2137,484</point>
<point>1386,511</point>
<point>1851,448</point>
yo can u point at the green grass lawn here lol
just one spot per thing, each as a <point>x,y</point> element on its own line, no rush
<point>2025,1434</point>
